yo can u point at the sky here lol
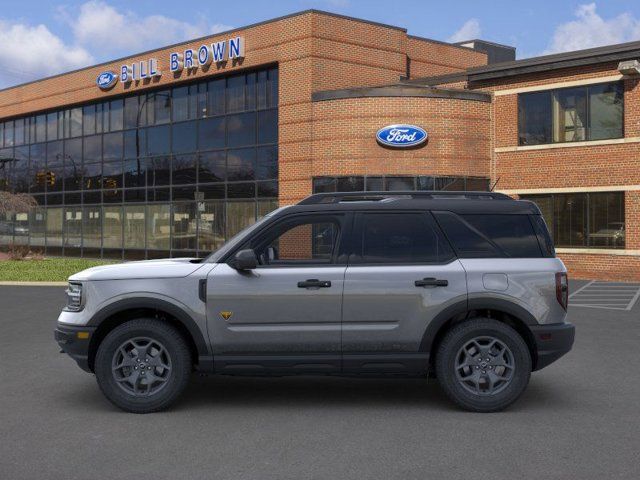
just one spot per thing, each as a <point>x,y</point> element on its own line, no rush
<point>39,38</point>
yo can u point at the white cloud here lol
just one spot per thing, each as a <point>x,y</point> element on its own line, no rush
<point>591,30</point>
<point>469,31</point>
<point>108,31</point>
<point>97,32</point>
<point>29,52</point>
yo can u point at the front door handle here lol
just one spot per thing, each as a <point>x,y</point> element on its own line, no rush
<point>431,282</point>
<point>314,283</point>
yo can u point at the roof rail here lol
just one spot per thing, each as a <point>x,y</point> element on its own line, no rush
<point>324,198</point>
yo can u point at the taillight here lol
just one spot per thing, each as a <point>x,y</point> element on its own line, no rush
<point>562,289</point>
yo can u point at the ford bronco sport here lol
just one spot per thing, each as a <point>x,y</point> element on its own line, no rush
<point>463,286</point>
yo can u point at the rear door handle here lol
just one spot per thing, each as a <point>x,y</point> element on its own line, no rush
<point>431,282</point>
<point>314,283</point>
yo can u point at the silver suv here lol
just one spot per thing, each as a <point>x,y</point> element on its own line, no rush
<point>462,286</point>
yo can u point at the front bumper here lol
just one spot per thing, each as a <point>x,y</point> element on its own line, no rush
<point>552,342</point>
<point>75,341</point>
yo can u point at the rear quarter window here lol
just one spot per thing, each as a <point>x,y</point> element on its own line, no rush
<point>490,235</point>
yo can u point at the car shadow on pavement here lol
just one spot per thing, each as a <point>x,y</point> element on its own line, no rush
<point>309,391</point>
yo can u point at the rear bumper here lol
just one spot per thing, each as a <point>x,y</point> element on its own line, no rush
<point>74,345</point>
<point>552,342</point>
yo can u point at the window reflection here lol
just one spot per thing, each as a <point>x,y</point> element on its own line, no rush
<point>594,220</point>
<point>158,226</point>
<point>105,173</point>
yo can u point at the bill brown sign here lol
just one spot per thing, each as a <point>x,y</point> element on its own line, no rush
<point>189,59</point>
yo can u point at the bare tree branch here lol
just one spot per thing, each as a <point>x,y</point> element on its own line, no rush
<point>16,202</point>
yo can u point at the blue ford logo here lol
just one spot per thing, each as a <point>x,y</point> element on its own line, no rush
<point>401,136</point>
<point>106,80</point>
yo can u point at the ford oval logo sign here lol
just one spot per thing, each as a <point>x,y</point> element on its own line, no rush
<point>401,136</point>
<point>106,80</point>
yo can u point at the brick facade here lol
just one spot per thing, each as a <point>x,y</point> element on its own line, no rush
<point>578,168</point>
<point>319,52</point>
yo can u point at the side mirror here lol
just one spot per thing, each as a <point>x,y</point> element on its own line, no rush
<point>245,260</point>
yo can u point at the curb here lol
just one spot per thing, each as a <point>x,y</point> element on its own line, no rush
<point>33,284</point>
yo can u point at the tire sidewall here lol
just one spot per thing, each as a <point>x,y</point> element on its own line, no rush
<point>178,376</point>
<point>457,338</point>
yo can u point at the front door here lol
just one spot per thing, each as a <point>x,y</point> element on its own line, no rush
<point>286,313</point>
<point>401,274</point>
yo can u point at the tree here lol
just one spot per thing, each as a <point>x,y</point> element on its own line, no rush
<point>16,203</point>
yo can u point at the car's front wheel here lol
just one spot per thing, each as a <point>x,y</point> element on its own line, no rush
<point>143,365</point>
<point>483,365</point>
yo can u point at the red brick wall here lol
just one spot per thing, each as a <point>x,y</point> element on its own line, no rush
<point>344,138</point>
<point>430,58</point>
<point>602,267</point>
<point>574,167</point>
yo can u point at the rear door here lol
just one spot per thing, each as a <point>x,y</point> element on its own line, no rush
<point>401,274</point>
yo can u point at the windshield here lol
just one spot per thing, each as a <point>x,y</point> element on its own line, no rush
<point>228,245</point>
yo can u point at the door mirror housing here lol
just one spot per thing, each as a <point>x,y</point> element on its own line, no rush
<point>245,260</point>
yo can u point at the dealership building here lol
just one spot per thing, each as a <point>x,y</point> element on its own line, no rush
<point>172,151</point>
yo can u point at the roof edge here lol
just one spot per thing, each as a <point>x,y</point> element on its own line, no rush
<point>400,90</point>
<point>589,56</point>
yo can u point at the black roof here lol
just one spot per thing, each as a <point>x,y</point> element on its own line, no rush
<point>457,202</point>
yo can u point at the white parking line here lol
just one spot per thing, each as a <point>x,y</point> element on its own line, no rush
<point>612,296</point>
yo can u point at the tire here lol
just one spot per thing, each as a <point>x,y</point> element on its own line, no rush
<point>143,365</point>
<point>472,365</point>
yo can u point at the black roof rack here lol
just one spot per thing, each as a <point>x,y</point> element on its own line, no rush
<point>326,198</point>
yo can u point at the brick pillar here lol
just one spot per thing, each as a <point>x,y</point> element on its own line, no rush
<point>632,219</point>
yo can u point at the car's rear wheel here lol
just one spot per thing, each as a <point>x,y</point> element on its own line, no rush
<point>143,365</point>
<point>483,365</point>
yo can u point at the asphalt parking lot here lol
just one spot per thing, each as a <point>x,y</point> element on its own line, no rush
<point>578,419</point>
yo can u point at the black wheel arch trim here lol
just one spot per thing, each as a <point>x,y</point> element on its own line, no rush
<point>463,307</point>
<point>513,309</point>
<point>155,304</point>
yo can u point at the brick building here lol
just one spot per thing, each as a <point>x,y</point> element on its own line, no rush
<point>172,151</point>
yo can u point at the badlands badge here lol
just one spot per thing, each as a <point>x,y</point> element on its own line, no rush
<point>226,315</point>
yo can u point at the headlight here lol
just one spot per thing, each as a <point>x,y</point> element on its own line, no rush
<point>74,297</point>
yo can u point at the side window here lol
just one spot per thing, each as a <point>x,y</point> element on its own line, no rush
<point>303,241</point>
<point>399,238</point>
<point>514,234</point>
<point>543,235</point>
<point>468,242</point>
<point>490,235</point>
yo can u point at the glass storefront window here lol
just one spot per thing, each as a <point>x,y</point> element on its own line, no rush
<point>239,216</point>
<point>211,223</point>
<point>105,173</point>
<point>162,106</point>
<point>584,220</point>
<point>37,226</point>
<point>54,227</point>
<point>212,133</point>
<point>116,115</point>
<point>241,164</point>
<point>112,228</point>
<point>158,140</point>
<point>21,229</point>
<point>184,137</point>
<point>134,225</point>
<point>241,129</point>
<point>184,226</point>
<point>73,227</point>
<point>92,227</point>
<point>180,104</point>
<point>158,227</point>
